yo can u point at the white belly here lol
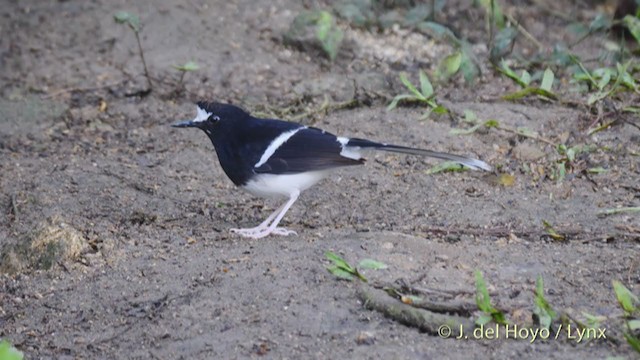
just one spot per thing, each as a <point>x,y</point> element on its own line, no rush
<point>270,185</point>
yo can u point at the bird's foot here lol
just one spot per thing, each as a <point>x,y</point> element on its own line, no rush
<point>260,232</point>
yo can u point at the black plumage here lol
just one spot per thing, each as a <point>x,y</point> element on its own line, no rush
<point>270,157</point>
<point>310,149</point>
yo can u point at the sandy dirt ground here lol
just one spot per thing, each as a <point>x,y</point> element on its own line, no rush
<point>148,268</point>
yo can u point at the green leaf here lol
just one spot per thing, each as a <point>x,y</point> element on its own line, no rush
<point>552,232</point>
<point>633,341</point>
<point>633,325</point>
<point>436,30</point>
<point>597,170</point>
<point>337,260</point>
<point>605,75</point>
<point>633,24</point>
<point>450,65</point>
<point>601,22</point>
<point>405,81</point>
<point>328,34</point>
<point>468,131</point>
<point>561,149</point>
<point>491,123</point>
<point>542,309</point>
<point>331,45</point>
<point>470,70</point>
<point>123,17</point>
<point>547,80</point>
<point>583,73</point>
<point>623,76</point>
<point>340,272</point>
<point>438,109</point>
<point>8,352</point>
<point>470,116</point>
<point>425,85</point>
<point>625,297</point>
<point>592,320</point>
<point>505,69</point>
<point>398,98</point>
<point>593,98</point>
<point>372,264</point>
<point>525,77</point>
<point>530,91</point>
<point>324,24</point>
<point>621,210</point>
<point>341,268</point>
<point>188,66</point>
<point>483,300</point>
<point>445,166</point>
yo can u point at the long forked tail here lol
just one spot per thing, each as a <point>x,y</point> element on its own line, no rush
<point>469,162</point>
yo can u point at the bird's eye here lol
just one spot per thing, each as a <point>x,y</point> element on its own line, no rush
<point>214,118</point>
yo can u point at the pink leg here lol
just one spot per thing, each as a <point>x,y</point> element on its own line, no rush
<point>270,225</point>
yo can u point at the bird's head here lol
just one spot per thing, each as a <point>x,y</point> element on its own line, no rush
<point>209,115</point>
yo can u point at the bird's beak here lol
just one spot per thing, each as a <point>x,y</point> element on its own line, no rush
<point>183,124</point>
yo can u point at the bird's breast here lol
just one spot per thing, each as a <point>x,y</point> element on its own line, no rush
<point>282,185</point>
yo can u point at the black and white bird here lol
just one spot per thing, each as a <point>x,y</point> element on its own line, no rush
<point>276,158</point>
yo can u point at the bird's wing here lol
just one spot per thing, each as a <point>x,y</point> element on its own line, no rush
<point>307,149</point>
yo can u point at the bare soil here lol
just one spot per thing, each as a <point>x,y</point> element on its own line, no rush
<point>114,226</point>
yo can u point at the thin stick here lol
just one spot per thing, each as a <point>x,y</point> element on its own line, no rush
<point>424,320</point>
<point>524,32</point>
<point>144,63</point>
<point>515,131</point>
<point>72,89</point>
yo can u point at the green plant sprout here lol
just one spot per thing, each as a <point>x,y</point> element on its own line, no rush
<point>132,20</point>
<point>630,304</point>
<point>185,68</point>
<point>601,79</point>
<point>633,25</point>
<point>542,309</point>
<point>568,157</point>
<point>524,81</point>
<point>425,95</point>
<point>343,270</point>
<point>449,66</point>
<point>329,35</point>
<point>552,232</point>
<point>323,26</point>
<point>483,300</point>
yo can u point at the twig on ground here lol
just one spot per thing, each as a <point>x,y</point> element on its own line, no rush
<point>422,319</point>
<point>80,89</point>
<point>572,233</point>
<point>524,32</point>
<point>530,136</point>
